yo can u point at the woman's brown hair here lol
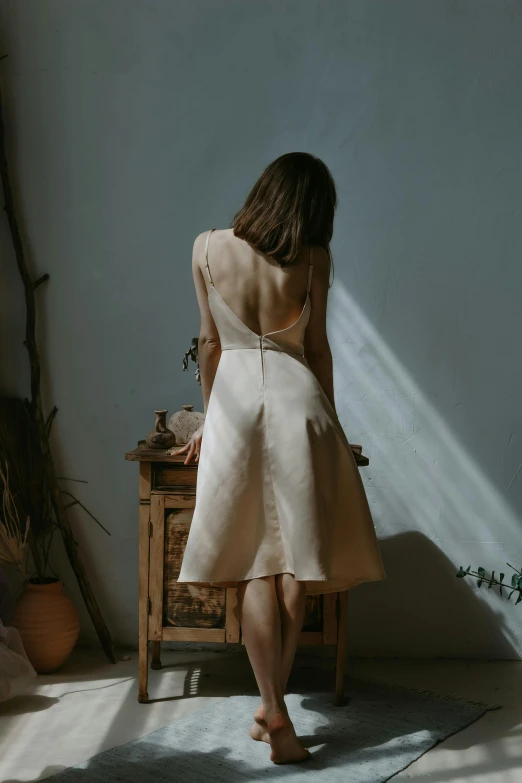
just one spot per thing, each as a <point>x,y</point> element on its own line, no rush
<point>291,206</point>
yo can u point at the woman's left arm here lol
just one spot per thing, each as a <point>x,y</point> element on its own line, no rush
<point>209,347</point>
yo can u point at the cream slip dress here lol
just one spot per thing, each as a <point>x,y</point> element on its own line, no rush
<point>278,489</point>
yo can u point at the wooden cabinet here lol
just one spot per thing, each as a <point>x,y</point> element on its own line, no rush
<point>169,611</point>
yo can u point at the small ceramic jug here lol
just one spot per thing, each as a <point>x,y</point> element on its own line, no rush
<point>160,437</point>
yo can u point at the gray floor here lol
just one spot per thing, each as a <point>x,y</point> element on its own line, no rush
<point>91,705</point>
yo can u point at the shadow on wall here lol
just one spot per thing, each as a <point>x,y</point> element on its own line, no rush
<point>434,503</point>
<point>423,605</point>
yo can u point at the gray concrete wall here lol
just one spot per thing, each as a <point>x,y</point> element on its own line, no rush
<point>135,126</point>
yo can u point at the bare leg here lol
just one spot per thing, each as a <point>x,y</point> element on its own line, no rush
<point>291,597</point>
<point>261,625</point>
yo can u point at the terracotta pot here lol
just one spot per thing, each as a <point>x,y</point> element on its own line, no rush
<point>48,623</point>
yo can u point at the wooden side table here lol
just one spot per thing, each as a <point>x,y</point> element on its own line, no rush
<point>170,611</point>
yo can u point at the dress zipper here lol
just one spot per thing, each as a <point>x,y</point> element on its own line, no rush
<point>262,357</point>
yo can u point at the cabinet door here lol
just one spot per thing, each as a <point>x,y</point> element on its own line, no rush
<point>313,617</point>
<point>198,613</point>
<point>185,605</point>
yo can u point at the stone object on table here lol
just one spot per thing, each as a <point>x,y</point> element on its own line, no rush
<point>184,423</point>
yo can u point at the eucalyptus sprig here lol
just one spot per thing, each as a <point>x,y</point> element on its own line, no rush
<point>480,575</point>
<point>192,353</point>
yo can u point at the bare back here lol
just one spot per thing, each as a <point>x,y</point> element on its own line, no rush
<point>263,295</point>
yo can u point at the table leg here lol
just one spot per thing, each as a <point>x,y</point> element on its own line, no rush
<point>340,666</point>
<point>156,660</point>
<point>143,604</point>
<point>143,655</point>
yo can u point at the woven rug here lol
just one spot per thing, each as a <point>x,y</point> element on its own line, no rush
<point>380,731</point>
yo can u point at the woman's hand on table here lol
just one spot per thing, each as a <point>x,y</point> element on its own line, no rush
<point>192,448</point>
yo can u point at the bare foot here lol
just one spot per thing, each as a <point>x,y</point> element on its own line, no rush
<point>286,748</point>
<point>259,729</point>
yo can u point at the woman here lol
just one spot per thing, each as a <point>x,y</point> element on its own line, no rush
<point>281,511</point>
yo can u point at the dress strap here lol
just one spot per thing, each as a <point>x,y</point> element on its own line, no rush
<point>206,256</point>
<point>310,270</point>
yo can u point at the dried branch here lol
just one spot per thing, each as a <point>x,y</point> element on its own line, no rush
<point>36,401</point>
<point>50,419</point>
<point>13,541</point>
<point>79,503</point>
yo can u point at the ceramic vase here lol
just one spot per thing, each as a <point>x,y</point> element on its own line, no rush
<point>160,437</point>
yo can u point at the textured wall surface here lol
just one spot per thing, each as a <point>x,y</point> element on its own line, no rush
<point>134,126</point>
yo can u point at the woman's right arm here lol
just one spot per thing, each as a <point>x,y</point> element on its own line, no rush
<point>316,345</point>
<point>209,345</point>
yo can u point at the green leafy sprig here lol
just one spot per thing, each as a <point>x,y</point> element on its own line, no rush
<point>192,353</point>
<point>482,579</point>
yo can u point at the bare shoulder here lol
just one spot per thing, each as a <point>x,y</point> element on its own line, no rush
<point>321,261</point>
<point>319,256</point>
<point>198,248</point>
<point>198,251</point>
<point>219,238</point>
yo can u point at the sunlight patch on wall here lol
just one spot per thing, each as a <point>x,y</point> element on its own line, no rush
<point>420,477</point>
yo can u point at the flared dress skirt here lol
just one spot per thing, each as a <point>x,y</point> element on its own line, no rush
<point>278,489</point>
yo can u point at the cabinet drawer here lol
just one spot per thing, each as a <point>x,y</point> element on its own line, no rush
<point>179,478</point>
